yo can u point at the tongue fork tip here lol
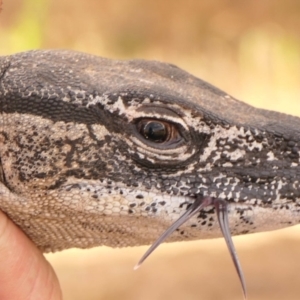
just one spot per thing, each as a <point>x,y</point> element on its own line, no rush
<point>198,205</point>
<point>222,214</point>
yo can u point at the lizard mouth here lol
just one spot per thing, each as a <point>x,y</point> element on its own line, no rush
<point>221,207</point>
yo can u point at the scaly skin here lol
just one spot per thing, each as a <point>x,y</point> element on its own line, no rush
<point>77,169</point>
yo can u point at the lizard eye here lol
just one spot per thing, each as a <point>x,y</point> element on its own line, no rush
<point>154,131</point>
<point>157,131</point>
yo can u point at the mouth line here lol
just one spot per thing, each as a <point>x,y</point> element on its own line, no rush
<point>221,209</point>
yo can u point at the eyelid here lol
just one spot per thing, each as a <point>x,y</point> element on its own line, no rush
<point>158,110</point>
<point>161,114</point>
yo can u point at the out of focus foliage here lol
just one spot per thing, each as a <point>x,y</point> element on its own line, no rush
<point>249,48</point>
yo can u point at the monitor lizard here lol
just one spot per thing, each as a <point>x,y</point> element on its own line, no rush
<point>105,152</point>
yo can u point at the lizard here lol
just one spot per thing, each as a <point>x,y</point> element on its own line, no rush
<point>95,151</point>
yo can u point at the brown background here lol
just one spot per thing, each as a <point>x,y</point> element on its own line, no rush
<point>251,49</point>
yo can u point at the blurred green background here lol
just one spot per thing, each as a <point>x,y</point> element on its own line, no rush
<point>251,49</point>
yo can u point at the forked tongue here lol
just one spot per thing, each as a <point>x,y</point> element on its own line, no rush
<point>222,214</point>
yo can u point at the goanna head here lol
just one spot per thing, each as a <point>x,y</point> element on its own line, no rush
<point>103,152</point>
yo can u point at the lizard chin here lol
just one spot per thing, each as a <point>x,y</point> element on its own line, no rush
<point>221,208</point>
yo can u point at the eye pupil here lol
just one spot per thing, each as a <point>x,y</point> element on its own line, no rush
<point>155,131</point>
